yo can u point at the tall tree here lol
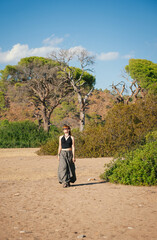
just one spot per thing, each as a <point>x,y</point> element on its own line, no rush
<point>141,74</point>
<point>45,89</point>
<point>79,78</point>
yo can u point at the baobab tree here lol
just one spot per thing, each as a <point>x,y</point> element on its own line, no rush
<point>80,79</point>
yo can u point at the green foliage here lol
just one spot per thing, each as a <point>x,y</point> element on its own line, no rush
<point>92,144</point>
<point>87,80</point>
<point>66,109</point>
<point>151,136</point>
<point>145,72</point>
<point>49,148</point>
<point>2,92</point>
<point>21,134</point>
<point>9,73</point>
<point>18,85</point>
<point>93,117</point>
<point>79,141</point>
<point>54,131</point>
<point>126,125</point>
<point>14,74</point>
<point>124,128</point>
<point>37,61</point>
<point>138,167</point>
<point>2,100</point>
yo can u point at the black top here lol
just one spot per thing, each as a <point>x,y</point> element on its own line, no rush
<point>66,143</point>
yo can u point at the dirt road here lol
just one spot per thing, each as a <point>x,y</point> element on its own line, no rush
<point>34,206</point>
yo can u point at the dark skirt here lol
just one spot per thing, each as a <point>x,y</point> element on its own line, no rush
<point>66,168</point>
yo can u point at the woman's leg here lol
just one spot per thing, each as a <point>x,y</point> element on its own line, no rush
<point>63,169</point>
<point>71,167</point>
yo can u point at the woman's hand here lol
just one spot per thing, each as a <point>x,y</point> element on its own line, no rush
<point>74,160</point>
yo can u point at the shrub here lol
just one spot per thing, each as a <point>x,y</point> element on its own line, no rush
<point>126,125</point>
<point>49,148</point>
<point>91,141</point>
<point>21,134</point>
<point>124,129</point>
<point>138,167</point>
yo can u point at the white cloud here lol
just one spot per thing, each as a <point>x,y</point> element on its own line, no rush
<point>19,51</point>
<point>77,49</point>
<point>50,44</point>
<point>52,40</point>
<point>128,56</point>
<point>107,56</point>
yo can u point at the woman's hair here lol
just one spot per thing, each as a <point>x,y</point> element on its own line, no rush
<point>66,126</point>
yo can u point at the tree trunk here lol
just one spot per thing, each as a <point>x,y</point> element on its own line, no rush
<point>82,111</point>
<point>46,124</point>
<point>82,119</point>
<point>46,119</point>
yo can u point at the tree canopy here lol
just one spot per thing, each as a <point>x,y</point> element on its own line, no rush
<point>45,85</point>
<point>145,72</point>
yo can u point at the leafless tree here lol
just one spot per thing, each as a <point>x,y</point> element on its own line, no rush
<point>82,88</point>
<point>134,87</point>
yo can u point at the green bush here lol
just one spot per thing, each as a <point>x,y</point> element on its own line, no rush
<point>49,148</point>
<point>21,134</point>
<point>124,129</point>
<point>138,167</point>
<point>90,141</point>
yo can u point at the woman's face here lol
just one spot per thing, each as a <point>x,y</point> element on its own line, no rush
<point>66,130</point>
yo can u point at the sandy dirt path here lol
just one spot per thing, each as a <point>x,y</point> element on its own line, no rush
<point>34,206</point>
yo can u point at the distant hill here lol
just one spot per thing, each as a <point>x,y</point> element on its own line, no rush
<point>20,108</point>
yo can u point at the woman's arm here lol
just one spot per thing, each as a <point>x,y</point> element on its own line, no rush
<point>73,148</point>
<point>60,147</point>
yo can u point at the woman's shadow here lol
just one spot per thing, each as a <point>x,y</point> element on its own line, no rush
<point>86,184</point>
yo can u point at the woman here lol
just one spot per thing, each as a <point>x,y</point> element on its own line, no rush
<point>66,157</point>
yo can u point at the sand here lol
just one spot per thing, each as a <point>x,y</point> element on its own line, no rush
<point>34,206</point>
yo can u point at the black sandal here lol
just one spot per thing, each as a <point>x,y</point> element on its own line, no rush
<point>68,184</point>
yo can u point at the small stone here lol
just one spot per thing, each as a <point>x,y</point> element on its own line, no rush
<point>130,227</point>
<point>16,194</point>
<point>22,231</point>
<point>91,179</point>
<point>15,227</point>
<point>81,236</point>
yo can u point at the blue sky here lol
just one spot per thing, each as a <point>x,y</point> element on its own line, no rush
<point>113,30</point>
